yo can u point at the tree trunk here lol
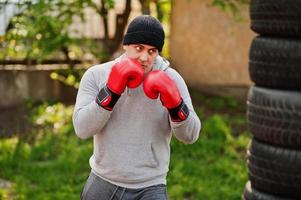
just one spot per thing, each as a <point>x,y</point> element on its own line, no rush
<point>111,45</point>
<point>145,7</point>
<point>160,12</point>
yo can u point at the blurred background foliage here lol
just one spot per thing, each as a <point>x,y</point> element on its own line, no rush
<point>40,31</point>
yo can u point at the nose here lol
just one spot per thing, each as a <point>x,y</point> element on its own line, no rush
<point>143,57</point>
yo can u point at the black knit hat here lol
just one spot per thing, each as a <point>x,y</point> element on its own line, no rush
<point>145,29</point>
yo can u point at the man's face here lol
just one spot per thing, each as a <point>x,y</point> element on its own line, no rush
<point>145,54</point>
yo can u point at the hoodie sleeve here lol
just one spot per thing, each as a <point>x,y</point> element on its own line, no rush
<point>88,117</point>
<point>188,130</point>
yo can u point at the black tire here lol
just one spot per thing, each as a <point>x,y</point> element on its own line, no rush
<point>276,62</point>
<point>275,170</point>
<point>252,194</point>
<point>274,116</point>
<point>276,17</point>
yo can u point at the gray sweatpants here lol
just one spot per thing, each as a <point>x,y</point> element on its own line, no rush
<point>99,189</point>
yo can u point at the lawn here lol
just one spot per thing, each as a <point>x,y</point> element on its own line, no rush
<point>50,162</point>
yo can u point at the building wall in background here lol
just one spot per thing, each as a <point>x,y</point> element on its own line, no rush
<point>19,86</point>
<point>209,48</point>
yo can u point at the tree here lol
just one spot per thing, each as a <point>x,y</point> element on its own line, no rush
<point>112,44</point>
<point>41,30</point>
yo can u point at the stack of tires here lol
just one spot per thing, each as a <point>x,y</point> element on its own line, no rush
<point>274,103</point>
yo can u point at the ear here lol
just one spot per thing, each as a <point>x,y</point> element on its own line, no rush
<point>125,47</point>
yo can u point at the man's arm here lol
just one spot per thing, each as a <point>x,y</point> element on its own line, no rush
<point>175,97</point>
<point>94,105</point>
<point>186,131</point>
<point>88,117</point>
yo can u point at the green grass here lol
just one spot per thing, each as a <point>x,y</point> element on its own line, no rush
<point>52,163</point>
<point>213,168</point>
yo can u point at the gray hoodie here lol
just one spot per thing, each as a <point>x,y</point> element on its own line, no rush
<point>131,143</point>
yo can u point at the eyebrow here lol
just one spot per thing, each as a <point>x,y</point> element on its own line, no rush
<point>140,45</point>
<point>153,49</point>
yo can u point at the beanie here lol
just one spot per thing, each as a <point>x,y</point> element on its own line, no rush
<point>145,29</point>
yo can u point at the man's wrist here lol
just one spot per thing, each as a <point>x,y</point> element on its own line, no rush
<point>106,98</point>
<point>179,113</point>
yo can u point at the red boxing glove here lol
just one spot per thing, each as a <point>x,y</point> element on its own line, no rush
<point>127,72</point>
<point>157,82</point>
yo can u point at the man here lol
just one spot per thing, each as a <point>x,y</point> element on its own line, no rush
<point>132,106</point>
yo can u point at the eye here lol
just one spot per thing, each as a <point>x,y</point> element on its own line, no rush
<point>152,51</point>
<point>138,48</point>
